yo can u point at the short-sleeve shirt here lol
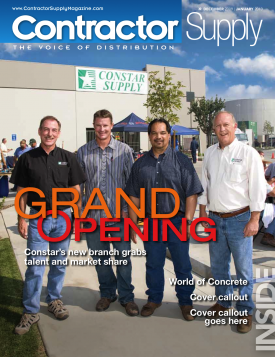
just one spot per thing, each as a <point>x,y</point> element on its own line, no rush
<point>59,169</point>
<point>19,151</point>
<point>170,170</point>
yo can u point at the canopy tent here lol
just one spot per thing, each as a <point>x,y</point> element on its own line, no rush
<point>182,130</point>
<point>132,123</point>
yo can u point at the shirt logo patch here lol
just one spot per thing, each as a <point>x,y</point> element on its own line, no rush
<point>62,163</point>
<point>236,161</point>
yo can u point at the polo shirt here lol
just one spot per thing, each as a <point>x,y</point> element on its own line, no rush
<point>59,169</point>
<point>170,170</point>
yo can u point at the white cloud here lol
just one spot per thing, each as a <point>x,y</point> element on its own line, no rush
<point>209,16</point>
<point>13,48</point>
<point>262,65</point>
<point>224,3</point>
<point>177,51</point>
<point>264,14</point>
<point>240,91</point>
<point>9,48</point>
<point>212,72</point>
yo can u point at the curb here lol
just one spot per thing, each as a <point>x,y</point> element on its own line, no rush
<point>3,231</point>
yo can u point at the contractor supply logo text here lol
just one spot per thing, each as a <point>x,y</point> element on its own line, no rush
<point>104,80</point>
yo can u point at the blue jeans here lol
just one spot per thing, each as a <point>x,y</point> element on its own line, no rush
<point>34,274</point>
<point>108,282</point>
<point>155,260</point>
<point>194,156</point>
<point>271,228</point>
<point>230,239</point>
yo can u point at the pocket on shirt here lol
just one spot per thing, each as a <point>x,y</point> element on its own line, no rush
<point>237,173</point>
<point>63,174</point>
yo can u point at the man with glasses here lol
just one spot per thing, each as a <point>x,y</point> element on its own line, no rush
<point>45,168</point>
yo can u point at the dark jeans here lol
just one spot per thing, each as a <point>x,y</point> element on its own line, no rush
<point>194,157</point>
<point>108,282</point>
<point>155,260</point>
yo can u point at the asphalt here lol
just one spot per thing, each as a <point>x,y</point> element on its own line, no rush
<point>113,333</point>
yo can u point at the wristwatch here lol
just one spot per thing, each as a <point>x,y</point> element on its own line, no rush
<point>189,222</point>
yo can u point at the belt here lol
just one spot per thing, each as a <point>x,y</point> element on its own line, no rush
<point>231,214</point>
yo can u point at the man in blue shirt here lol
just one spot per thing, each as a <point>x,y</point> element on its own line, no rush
<point>18,152</point>
<point>163,167</point>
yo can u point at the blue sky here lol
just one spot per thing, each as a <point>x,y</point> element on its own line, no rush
<point>242,71</point>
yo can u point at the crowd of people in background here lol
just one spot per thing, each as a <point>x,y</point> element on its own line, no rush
<point>8,161</point>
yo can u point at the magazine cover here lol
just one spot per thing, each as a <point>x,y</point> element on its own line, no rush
<point>136,178</point>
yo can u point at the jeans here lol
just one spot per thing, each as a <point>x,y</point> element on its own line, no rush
<point>108,282</point>
<point>194,156</point>
<point>230,239</point>
<point>271,228</point>
<point>155,260</point>
<point>34,274</point>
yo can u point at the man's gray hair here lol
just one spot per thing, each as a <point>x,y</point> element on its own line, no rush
<point>224,111</point>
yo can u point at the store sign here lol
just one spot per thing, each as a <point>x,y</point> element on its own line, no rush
<point>111,81</point>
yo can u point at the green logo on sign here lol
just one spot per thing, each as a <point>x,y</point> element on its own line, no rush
<point>86,79</point>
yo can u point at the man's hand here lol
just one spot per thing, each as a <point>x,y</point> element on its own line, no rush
<point>133,236</point>
<point>23,228</point>
<point>203,214</point>
<point>188,231</point>
<point>251,228</point>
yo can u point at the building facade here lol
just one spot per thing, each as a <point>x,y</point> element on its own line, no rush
<point>29,91</point>
<point>253,110</point>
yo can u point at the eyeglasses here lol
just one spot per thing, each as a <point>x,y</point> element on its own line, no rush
<point>48,130</point>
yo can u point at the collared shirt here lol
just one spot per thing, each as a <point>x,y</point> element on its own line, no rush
<point>59,169</point>
<point>170,170</point>
<point>233,178</point>
<point>107,170</point>
<point>4,148</point>
<point>19,151</point>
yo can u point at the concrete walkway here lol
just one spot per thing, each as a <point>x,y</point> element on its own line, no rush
<point>113,333</point>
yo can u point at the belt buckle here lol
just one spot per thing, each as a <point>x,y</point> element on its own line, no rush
<point>220,215</point>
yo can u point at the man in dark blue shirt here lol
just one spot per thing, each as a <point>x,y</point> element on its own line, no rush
<point>194,147</point>
<point>163,167</point>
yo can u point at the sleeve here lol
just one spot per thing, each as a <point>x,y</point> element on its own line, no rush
<point>133,186</point>
<point>20,173</point>
<point>257,182</point>
<point>202,200</point>
<point>77,175</point>
<point>16,153</point>
<point>189,179</point>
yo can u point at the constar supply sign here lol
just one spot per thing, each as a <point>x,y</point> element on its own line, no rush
<point>111,81</point>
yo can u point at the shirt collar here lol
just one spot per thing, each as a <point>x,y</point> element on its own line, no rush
<point>53,152</point>
<point>112,144</point>
<point>230,146</point>
<point>166,152</point>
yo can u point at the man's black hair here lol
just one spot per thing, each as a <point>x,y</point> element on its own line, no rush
<point>160,120</point>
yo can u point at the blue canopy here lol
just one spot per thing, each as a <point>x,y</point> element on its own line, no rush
<point>131,123</point>
<point>182,130</point>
